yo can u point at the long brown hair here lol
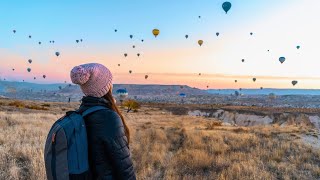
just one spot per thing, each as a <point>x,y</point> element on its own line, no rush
<point>113,106</point>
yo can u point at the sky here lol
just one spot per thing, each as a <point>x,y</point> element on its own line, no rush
<point>170,58</point>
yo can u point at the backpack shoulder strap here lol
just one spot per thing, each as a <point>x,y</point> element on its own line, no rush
<point>92,109</point>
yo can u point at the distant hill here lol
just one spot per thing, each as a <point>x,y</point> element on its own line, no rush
<point>5,86</point>
<point>267,91</point>
<point>137,89</point>
<point>25,89</point>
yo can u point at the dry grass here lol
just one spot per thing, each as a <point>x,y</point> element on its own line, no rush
<point>168,146</point>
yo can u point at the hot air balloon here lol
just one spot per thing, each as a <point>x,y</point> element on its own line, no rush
<point>115,30</point>
<point>118,64</point>
<point>217,33</point>
<point>50,41</point>
<point>240,89</point>
<point>242,60</point>
<point>30,61</point>
<point>133,46</point>
<point>199,74</point>
<point>39,42</point>
<point>77,41</point>
<point>199,17</point>
<point>125,54</point>
<point>34,78</point>
<point>236,93</point>
<point>81,40</point>
<point>142,40</point>
<point>207,87</point>
<point>254,79</point>
<point>13,69</point>
<point>130,71</point>
<point>122,93</point>
<point>268,50</point>
<point>235,81</point>
<point>200,42</point>
<point>138,54</point>
<point>186,36</point>
<point>53,42</point>
<point>14,31</point>
<point>261,88</point>
<point>146,76</point>
<point>226,6</point>
<point>282,59</point>
<point>294,82</point>
<point>155,32</point>
<point>29,36</point>
<point>131,36</point>
<point>44,76</point>
<point>57,54</point>
<point>251,33</point>
<point>29,69</point>
<point>298,47</point>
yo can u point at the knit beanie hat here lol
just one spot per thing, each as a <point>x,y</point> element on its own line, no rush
<point>94,79</point>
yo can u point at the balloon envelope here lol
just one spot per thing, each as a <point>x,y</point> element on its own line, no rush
<point>217,33</point>
<point>200,42</point>
<point>57,54</point>
<point>30,61</point>
<point>122,92</point>
<point>155,32</point>
<point>294,82</point>
<point>282,59</point>
<point>29,69</point>
<point>226,6</point>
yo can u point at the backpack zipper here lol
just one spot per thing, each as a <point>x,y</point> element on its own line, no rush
<point>53,158</point>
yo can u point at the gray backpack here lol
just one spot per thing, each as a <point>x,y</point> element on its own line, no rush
<point>66,149</point>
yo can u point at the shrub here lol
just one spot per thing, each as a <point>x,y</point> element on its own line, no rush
<point>131,105</point>
<point>17,104</point>
<point>212,124</point>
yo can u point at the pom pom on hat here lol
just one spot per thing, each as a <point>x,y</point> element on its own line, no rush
<point>79,75</point>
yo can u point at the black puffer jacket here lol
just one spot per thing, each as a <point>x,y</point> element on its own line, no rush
<point>109,154</point>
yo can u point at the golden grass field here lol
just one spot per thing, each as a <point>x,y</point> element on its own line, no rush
<point>166,146</point>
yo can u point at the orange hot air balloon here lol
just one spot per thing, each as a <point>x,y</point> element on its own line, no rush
<point>155,32</point>
<point>200,42</point>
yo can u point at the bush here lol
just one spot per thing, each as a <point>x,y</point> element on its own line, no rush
<point>17,104</point>
<point>212,124</point>
<point>131,105</point>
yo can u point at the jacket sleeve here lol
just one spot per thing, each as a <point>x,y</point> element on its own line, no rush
<point>117,148</point>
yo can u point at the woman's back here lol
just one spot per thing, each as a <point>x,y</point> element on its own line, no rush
<point>109,154</point>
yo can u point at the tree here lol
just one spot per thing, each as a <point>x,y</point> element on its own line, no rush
<point>131,105</point>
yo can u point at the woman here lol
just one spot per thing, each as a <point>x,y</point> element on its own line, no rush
<point>108,134</point>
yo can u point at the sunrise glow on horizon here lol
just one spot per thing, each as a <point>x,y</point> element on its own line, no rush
<point>277,27</point>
